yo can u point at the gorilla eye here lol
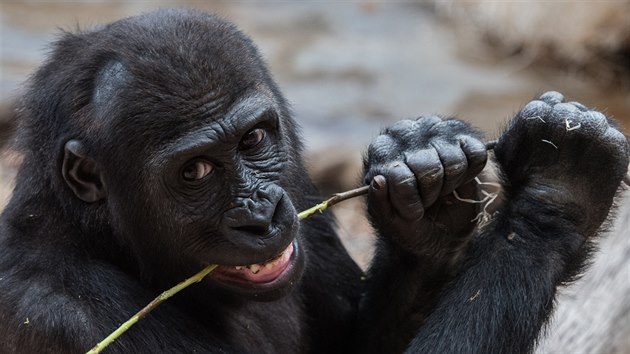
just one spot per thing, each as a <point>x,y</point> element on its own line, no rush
<point>197,170</point>
<point>252,138</point>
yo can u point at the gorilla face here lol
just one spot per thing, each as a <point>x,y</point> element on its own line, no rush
<point>214,195</point>
<point>226,176</point>
<point>189,152</point>
<point>222,180</point>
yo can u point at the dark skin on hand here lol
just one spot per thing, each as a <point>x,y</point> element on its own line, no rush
<point>159,144</point>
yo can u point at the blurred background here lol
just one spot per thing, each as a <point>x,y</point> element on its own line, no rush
<point>351,68</point>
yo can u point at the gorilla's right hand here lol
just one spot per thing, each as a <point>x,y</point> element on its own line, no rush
<point>413,168</point>
<point>564,154</point>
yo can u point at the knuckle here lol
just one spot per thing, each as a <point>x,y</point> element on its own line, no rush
<point>454,123</point>
<point>373,171</point>
<point>450,129</point>
<point>617,138</point>
<point>478,159</point>
<point>561,113</point>
<point>421,157</point>
<point>381,148</point>
<point>589,124</point>
<point>474,148</point>
<point>552,97</point>
<point>428,120</point>
<point>401,127</point>
<point>395,171</point>
<point>535,109</point>
<point>597,117</point>
<point>565,110</point>
<point>579,106</point>
<point>478,153</point>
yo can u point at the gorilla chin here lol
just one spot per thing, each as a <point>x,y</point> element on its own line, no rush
<point>266,281</point>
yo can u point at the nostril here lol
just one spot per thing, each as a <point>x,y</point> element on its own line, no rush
<point>258,215</point>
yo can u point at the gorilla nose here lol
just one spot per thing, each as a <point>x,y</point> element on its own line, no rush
<point>255,215</point>
<point>254,228</point>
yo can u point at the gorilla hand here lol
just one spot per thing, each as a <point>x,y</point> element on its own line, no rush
<point>414,167</point>
<point>568,154</point>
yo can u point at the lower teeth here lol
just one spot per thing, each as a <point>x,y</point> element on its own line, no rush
<point>255,268</point>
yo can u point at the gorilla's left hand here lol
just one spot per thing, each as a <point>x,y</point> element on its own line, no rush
<point>414,167</point>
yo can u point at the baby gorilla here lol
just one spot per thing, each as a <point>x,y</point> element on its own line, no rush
<point>159,144</point>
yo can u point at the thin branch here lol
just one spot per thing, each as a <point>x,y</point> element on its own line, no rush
<point>152,305</point>
<point>336,198</point>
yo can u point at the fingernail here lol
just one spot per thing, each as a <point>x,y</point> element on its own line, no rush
<point>378,182</point>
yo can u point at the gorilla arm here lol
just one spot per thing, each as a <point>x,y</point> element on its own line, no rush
<point>556,200</point>
<point>414,167</point>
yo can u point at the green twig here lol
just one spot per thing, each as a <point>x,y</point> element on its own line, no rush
<point>336,198</point>
<point>152,305</point>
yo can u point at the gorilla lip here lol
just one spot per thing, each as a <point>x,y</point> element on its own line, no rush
<point>259,273</point>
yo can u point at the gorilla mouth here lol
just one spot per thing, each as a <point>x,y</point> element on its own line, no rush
<point>265,281</point>
<point>259,273</point>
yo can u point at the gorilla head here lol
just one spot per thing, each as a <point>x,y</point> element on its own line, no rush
<point>172,156</point>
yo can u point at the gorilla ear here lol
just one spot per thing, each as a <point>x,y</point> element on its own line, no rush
<point>82,173</point>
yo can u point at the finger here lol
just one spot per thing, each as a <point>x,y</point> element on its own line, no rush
<point>454,163</point>
<point>382,149</point>
<point>476,156</point>
<point>579,106</point>
<point>427,167</point>
<point>378,203</point>
<point>403,192</point>
<point>552,97</point>
<point>403,130</point>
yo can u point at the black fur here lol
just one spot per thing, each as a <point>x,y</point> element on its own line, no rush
<point>108,211</point>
